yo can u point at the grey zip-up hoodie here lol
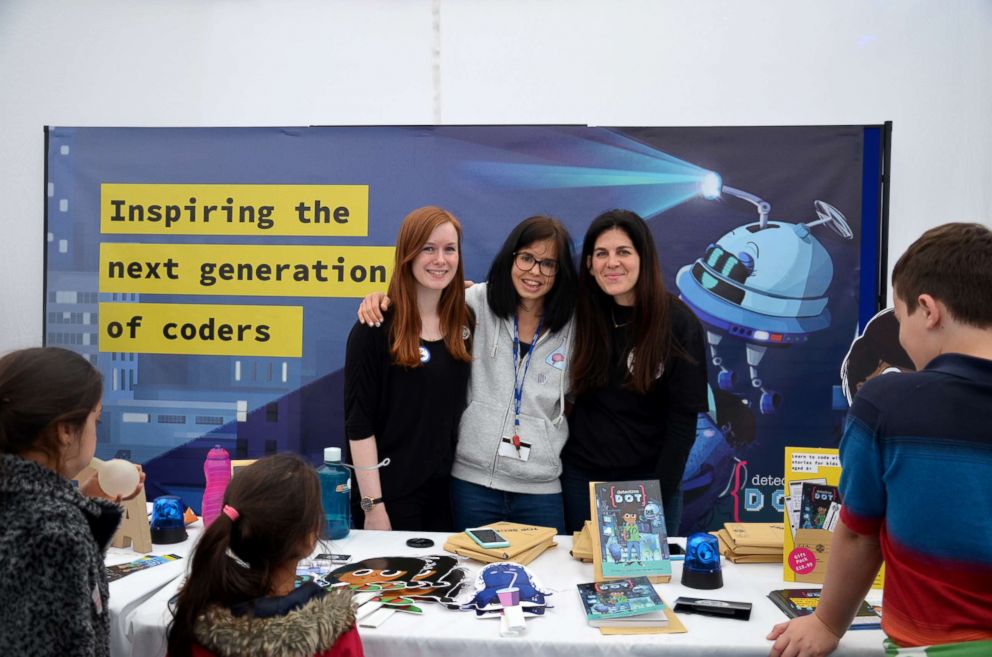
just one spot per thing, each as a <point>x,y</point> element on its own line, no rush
<point>488,418</point>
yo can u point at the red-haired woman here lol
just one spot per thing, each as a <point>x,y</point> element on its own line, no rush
<point>405,382</point>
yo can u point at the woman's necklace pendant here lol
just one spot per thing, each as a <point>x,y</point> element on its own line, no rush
<point>613,317</point>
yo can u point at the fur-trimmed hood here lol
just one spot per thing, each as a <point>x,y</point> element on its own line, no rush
<point>309,630</point>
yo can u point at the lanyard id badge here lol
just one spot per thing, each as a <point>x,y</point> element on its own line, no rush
<point>508,450</point>
<point>518,381</point>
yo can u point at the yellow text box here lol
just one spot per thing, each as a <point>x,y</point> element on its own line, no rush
<point>213,330</point>
<point>297,210</point>
<point>245,270</point>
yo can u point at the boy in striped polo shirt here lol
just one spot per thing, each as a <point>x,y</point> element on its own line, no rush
<point>917,468</point>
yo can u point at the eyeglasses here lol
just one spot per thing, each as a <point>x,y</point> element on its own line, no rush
<point>526,262</point>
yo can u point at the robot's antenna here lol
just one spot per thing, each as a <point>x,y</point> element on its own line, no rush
<point>764,207</point>
<point>833,218</point>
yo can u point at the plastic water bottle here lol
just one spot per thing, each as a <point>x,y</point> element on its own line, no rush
<point>217,469</point>
<point>335,494</point>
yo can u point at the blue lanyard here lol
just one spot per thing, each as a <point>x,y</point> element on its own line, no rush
<point>518,381</point>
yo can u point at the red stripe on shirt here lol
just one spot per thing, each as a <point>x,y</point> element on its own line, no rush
<point>860,524</point>
<point>931,600</point>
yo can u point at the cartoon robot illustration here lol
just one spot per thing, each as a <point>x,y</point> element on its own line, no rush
<point>652,522</point>
<point>503,575</point>
<point>764,283</point>
<point>613,548</point>
<point>715,472</point>
<point>653,517</point>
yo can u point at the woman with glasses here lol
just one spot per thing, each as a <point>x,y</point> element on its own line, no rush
<point>638,375</point>
<point>512,432</point>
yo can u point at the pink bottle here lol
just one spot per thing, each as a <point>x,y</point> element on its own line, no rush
<point>217,469</point>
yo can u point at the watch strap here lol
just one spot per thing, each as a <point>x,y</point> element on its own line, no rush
<point>368,502</point>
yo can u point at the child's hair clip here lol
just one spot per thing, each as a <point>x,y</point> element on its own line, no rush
<point>238,560</point>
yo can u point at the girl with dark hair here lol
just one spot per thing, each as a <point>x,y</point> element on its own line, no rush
<point>53,584</point>
<point>405,381</point>
<point>239,597</point>
<point>507,463</point>
<point>639,372</point>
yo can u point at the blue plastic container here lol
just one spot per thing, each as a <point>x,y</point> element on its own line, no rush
<point>335,494</point>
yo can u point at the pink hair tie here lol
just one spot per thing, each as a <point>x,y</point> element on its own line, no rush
<point>230,512</point>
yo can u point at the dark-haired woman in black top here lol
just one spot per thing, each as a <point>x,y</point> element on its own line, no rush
<point>638,374</point>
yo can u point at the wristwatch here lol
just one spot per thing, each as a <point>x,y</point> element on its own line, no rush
<point>368,502</point>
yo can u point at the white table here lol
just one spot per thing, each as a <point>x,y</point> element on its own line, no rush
<point>563,631</point>
<point>131,591</point>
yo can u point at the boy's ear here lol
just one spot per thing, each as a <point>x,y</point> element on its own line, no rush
<point>932,310</point>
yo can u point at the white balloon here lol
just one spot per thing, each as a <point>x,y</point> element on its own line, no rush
<point>118,477</point>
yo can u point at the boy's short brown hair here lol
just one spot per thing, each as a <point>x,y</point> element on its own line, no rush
<point>953,264</point>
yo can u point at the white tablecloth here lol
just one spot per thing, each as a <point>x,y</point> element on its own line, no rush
<point>563,631</point>
<point>131,591</point>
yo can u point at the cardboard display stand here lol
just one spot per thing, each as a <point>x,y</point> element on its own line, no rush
<point>134,531</point>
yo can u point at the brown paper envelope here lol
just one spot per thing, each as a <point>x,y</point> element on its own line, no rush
<point>818,541</point>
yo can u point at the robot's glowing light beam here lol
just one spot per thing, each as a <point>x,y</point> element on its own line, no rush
<point>711,185</point>
<point>647,192</point>
<point>651,181</point>
<point>542,176</point>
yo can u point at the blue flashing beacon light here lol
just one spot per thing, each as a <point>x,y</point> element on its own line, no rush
<point>702,562</point>
<point>167,524</point>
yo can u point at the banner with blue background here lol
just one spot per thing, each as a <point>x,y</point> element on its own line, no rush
<point>213,274</point>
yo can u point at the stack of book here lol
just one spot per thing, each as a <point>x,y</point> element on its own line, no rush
<point>527,542</point>
<point>630,602</point>
<point>752,542</point>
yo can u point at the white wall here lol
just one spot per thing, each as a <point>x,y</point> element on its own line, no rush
<point>927,66</point>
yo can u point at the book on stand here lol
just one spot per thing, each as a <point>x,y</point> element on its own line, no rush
<point>628,531</point>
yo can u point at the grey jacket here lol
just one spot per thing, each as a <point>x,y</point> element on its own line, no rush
<point>488,418</point>
<point>53,583</point>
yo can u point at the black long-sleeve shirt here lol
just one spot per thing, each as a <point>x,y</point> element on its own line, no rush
<point>413,412</point>
<point>622,433</point>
